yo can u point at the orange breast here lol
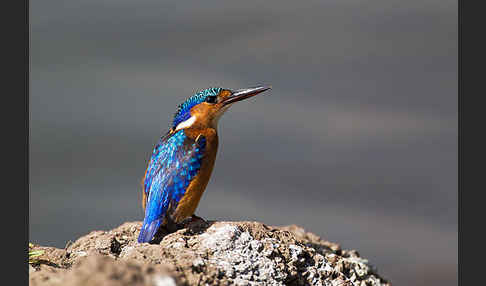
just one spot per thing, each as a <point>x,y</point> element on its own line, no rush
<point>188,203</point>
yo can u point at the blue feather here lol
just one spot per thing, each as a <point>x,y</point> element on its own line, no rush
<point>174,163</point>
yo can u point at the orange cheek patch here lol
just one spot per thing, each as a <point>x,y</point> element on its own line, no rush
<point>225,93</point>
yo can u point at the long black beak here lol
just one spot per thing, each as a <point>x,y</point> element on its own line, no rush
<point>245,93</point>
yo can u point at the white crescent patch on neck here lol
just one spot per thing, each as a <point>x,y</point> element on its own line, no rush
<point>187,123</point>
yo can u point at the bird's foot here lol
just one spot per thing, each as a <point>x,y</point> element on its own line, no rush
<point>171,226</point>
<point>197,218</point>
<point>193,220</point>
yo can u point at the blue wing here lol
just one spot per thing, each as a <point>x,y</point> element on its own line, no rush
<point>175,161</point>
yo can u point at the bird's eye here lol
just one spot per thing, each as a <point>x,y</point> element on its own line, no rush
<point>211,99</point>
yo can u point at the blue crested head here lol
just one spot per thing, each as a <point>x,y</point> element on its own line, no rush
<point>183,110</point>
<point>204,108</point>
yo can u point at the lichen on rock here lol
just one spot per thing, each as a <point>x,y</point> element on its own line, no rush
<point>217,253</point>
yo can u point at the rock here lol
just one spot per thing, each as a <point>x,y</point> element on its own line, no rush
<point>100,269</point>
<point>217,253</point>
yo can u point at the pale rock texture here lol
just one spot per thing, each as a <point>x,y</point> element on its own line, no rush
<point>213,253</point>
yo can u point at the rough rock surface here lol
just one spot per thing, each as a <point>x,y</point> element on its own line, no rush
<point>214,253</point>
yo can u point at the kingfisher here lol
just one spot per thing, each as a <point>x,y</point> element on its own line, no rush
<point>183,159</point>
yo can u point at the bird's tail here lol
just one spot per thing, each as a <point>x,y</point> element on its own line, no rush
<point>148,230</point>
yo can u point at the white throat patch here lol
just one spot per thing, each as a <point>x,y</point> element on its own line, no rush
<point>186,123</point>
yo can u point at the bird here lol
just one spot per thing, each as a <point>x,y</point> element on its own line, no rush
<point>182,161</point>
